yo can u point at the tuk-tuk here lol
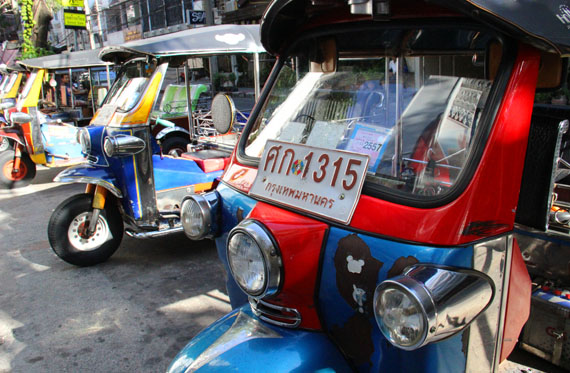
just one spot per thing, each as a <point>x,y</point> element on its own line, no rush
<point>47,135</point>
<point>130,181</point>
<point>367,217</point>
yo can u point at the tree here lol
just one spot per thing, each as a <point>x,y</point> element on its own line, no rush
<point>36,17</point>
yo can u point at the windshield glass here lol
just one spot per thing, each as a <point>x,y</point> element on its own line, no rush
<point>129,85</point>
<point>409,99</point>
<point>28,86</point>
<point>8,82</point>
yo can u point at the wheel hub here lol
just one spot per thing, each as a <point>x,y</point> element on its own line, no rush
<point>80,241</point>
<point>9,173</point>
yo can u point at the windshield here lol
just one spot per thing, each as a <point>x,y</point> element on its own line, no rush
<point>129,85</point>
<point>28,86</point>
<point>414,113</point>
<point>8,82</point>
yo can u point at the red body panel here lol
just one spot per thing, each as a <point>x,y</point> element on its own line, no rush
<point>490,199</point>
<point>300,240</point>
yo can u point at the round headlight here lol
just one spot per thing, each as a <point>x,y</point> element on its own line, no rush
<point>84,140</point>
<point>196,217</point>
<point>254,260</point>
<point>400,317</point>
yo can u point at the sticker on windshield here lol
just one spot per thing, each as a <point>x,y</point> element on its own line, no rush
<point>323,182</point>
<point>104,115</point>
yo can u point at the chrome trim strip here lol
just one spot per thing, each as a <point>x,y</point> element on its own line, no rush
<point>503,309</point>
<point>153,234</point>
<point>266,313</point>
<point>89,180</point>
<point>480,340</point>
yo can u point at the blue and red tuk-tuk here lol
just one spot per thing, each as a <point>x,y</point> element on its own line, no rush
<point>132,185</point>
<point>374,212</point>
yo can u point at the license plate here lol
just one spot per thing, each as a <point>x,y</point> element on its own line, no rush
<point>323,182</point>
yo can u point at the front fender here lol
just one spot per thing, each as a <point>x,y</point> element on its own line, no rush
<point>14,133</point>
<point>240,342</point>
<point>87,174</point>
<point>165,131</point>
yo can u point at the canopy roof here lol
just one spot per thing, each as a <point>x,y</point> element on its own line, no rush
<point>71,60</point>
<point>544,23</point>
<point>209,40</point>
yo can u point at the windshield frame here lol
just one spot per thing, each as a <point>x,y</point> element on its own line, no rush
<point>116,82</point>
<point>485,124</point>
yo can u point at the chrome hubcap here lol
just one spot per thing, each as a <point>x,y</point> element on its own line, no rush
<point>101,235</point>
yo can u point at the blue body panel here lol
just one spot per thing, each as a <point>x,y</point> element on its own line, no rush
<point>178,172</point>
<point>60,142</point>
<point>241,343</point>
<point>235,207</point>
<point>343,316</point>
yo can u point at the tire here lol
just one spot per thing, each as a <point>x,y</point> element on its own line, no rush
<point>67,219</point>
<point>174,146</point>
<point>10,180</point>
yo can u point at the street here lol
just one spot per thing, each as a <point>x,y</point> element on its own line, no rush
<point>132,313</point>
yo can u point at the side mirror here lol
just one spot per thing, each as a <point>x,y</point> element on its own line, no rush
<point>20,118</point>
<point>223,113</point>
<point>6,105</point>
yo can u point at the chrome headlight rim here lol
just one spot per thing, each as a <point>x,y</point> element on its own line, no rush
<point>420,296</point>
<point>205,212</point>
<point>84,140</point>
<point>451,298</point>
<point>109,146</point>
<point>270,253</point>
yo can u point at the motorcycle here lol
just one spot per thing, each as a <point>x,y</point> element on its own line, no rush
<point>131,185</point>
<point>370,218</point>
<point>43,137</point>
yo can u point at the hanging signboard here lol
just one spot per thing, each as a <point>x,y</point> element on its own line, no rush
<point>74,19</point>
<point>73,3</point>
<point>197,17</point>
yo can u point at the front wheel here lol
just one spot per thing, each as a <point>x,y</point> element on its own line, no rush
<point>10,178</point>
<point>66,237</point>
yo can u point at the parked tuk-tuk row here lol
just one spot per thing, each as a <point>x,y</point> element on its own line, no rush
<point>391,200</point>
<point>42,122</point>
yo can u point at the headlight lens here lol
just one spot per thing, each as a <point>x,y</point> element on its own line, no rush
<point>247,263</point>
<point>196,217</point>
<point>254,259</point>
<point>400,317</point>
<point>84,140</point>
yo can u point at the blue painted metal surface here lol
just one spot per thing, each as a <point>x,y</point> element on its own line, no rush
<point>177,172</point>
<point>239,342</point>
<point>346,294</point>
<point>235,206</point>
<point>60,142</point>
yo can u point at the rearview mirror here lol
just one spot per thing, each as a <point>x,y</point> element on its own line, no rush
<point>223,113</point>
<point>20,118</point>
<point>551,74</point>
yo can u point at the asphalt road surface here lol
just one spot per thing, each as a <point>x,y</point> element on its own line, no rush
<point>132,313</point>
